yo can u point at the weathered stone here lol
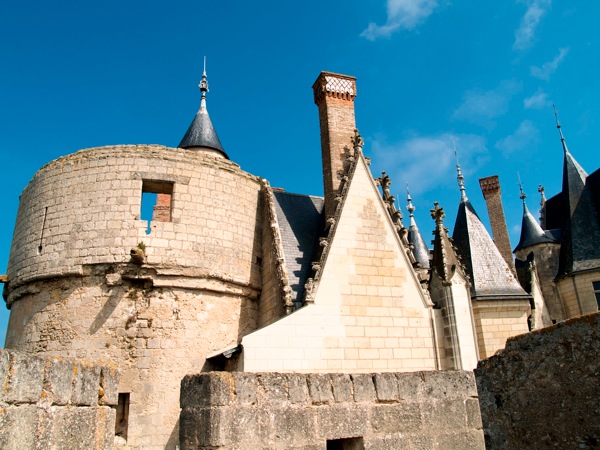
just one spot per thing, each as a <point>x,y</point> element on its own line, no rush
<point>342,387</point>
<point>394,441</point>
<point>364,390</point>
<point>26,379</point>
<point>444,414</point>
<point>251,426</point>
<point>73,428</point>
<point>292,427</point>
<point>319,388</point>
<point>109,382</point>
<point>4,372</point>
<point>274,388</point>
<point>213,431</point>
<point>207,389</point>
<point>386,387</point>
<point>400,417</point>
<point>59,380</point>
<point>473,414</point>
<point>297,388</point>
<point>18,427</point>
<point>246,386</point>
<point>341,421</point>
<point>86,384</point>
<point>463,440</point>
<point>410,385</point>
<point>449,384</point>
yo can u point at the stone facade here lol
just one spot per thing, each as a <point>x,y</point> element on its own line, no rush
<point>541,391</point>
<point>421,410</point>
<point>56,403</point>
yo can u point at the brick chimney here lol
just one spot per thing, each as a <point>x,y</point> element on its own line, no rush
<point>490,187</point>
<point>334,95</point>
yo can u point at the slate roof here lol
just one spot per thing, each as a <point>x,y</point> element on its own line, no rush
<point>420,250</point>
<point>201,133</point>
<point>581,228</point>
<point>491,278</point>
<point>300,220</point>
<point>531,232</point>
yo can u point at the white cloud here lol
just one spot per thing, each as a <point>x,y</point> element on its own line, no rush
<point>525,136</point>
<point>401,14</point>
<point>481,107</point>
<point>529,23</point>
<point>538,100</point>
<point>547,69</point>
<point>428,162</point>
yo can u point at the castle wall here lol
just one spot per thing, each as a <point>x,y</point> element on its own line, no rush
<point>56,403</point>
<point>577,293</point>
<point>195,293</point>
<point>498,320</point>
<point>542,390</point>
<point>432,410</point>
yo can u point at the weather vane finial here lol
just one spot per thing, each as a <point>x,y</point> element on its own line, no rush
<point>410,207</point>
<point>522,195</point>
<point>203,86</point>
<point>562,138</point>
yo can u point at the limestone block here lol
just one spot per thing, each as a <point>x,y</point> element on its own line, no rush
<point>59,380</point>
<point>461,440</point>
<point>4,372</point>
<point>342,388</point>
<point>297,388</point>
<point>207,389</point>
<point>18,427</point>
<point>250,426</point>
<point>292,427</point>
<point>73,428</point>
<point>364,390</point>
<point>449,384</point>
<point>246,386</point>
<point>212,433</point>
<point>386,387</point>
<point>274,388</point>
<point>398,417</point>
<point>410,385</point>
<point>341,421</point>
<point>26,378</point>
<point>86,384</point>
<point>109,383</point>
<point>444,414</point>
<point>319,388</point>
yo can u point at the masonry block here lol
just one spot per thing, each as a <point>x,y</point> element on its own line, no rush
<point>342,387</point>
<point>109,382</point>
<point>364,389</point>
<point>246,387</point>
<point>297,388</point>
<point>319,388</point>
<point>207,389</point>
<point>26,378</point>
<point>274,388</point>
<point>386,387</point>
<point>59,380</point>
<point>341,421</point>
<point>86,384</point>
<point>399,417</point>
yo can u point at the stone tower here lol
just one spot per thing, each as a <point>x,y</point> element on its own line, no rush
<point>86,280</point>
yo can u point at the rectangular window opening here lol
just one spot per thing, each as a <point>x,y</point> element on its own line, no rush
<point>157,202</point>
<point>356,443</point>
<point>596,286</point>
<point>122,421</point>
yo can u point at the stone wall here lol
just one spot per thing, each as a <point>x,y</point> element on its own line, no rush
<point>542,390</point>
<point>419,410</point>
<point>56,403</point>
<point>577,293</point>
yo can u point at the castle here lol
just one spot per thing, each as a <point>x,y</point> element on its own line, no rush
<point>235,275</point>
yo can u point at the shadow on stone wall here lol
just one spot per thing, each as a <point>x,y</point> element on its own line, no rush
<point>543,389</point>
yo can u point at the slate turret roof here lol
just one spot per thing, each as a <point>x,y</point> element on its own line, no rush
<point>201,134</point>
<point>531,231</point>
<point>491,278</point>
<point>419,247</point>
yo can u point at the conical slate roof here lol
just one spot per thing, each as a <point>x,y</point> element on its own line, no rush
<point>531,231</point>
<point>581,231</point>
<point>419,247</point>
<point>201,134</point>
<point>491,278</point>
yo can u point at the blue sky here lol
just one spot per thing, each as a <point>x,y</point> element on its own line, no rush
<point>76,75</point>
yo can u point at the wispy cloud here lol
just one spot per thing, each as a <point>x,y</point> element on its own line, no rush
<point>401,14</point>
<point>411,160</point>
<point>525,136</point>
<point>538,100</point>
<point>526,32</point>
<point>481,107</point>
<point>547,69</point>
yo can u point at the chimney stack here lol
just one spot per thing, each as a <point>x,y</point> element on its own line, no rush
<point>334,95</point>
<point>490,187</point>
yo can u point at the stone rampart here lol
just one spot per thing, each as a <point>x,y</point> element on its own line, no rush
<point>541,391</point>
<point>56,403</point>
<point>418,410</point>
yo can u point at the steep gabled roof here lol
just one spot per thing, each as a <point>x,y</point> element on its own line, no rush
<point>300,221</point>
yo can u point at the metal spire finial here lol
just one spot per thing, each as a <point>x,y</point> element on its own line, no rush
<point>203,86</point>
<point>562,138</point>
<point>460,177</point>
<point>522,195</point>
<point>410,207</point>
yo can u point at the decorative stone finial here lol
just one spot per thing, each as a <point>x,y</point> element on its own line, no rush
<point>410,207</point>
<point>357,141</point>
<point>438,214</point>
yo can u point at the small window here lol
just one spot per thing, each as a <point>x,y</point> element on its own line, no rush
<point>596,285</point>
<point>122,421</point>
<point>156,201</point>
<point>346,444</point>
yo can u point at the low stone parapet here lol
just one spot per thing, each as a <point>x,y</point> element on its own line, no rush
<point>418,410</point>
<point>48,402</point>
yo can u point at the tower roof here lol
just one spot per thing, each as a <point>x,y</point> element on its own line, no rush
<point>491,278</point>
<point>531,231</point>
<point>581,231</point>
<point>419,247</point>
<point>201,134</point>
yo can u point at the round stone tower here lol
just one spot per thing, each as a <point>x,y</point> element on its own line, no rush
<point>87,279</point>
